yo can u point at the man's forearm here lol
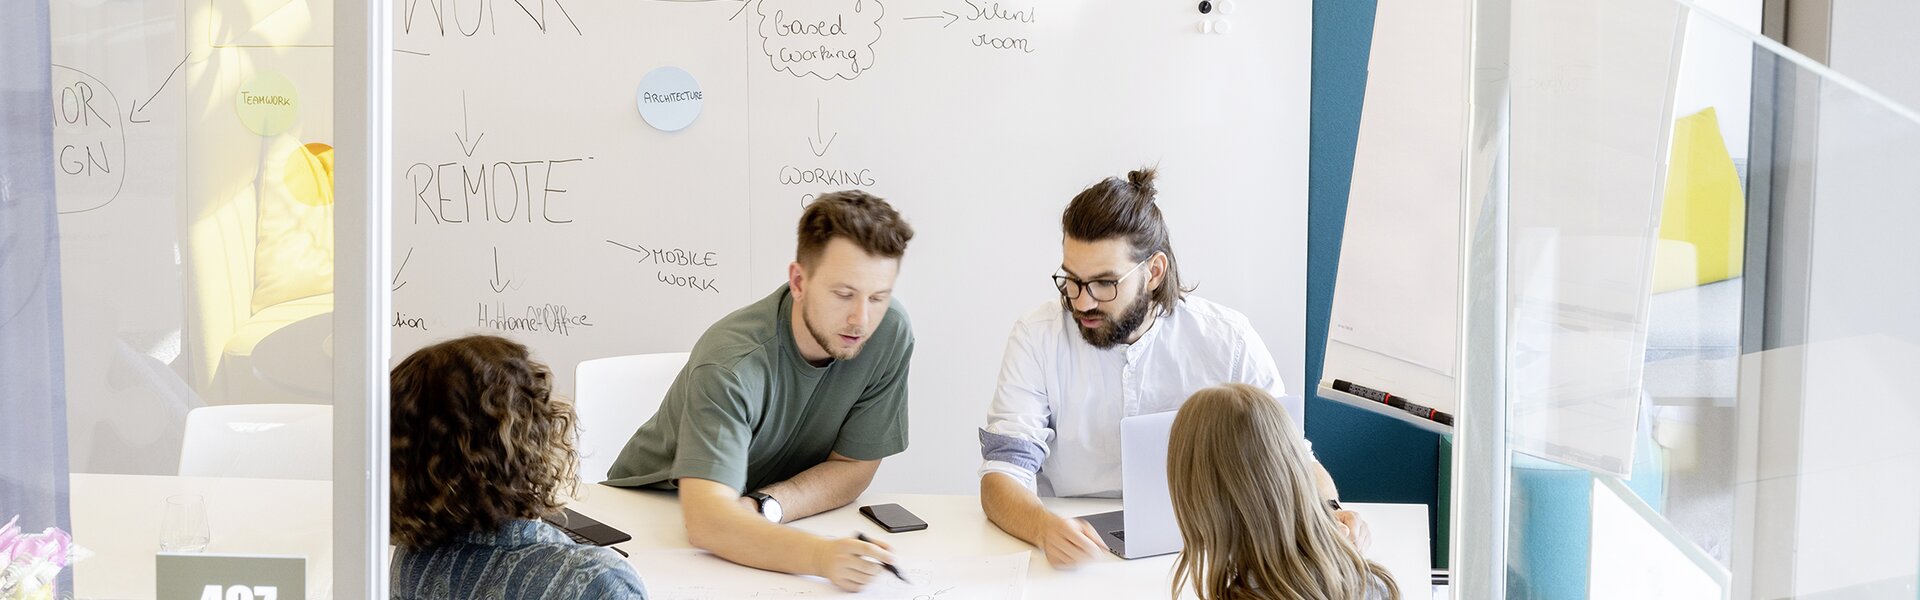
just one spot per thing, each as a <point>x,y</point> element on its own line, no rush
<point>718,524</point>
<point>752,541</point>
<point>1014,508</point>
<point>831,484</point>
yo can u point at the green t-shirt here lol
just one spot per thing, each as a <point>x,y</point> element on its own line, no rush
<point>748,411</point>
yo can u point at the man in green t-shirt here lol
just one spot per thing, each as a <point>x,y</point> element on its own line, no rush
<point>792,400</point>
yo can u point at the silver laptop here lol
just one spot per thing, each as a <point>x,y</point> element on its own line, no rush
<point>1146,526</point>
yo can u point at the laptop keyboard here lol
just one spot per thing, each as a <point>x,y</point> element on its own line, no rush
<point>577,538</point>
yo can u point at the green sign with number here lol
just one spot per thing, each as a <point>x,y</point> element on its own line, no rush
<point>230,577</point>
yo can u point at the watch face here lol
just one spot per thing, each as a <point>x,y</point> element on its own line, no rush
<point>770,508</point>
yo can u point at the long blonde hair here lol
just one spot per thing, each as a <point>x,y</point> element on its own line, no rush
<point>1252,519</point>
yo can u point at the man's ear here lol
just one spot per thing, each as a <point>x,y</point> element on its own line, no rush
<point>1157,271</point>
<point>796,278</point>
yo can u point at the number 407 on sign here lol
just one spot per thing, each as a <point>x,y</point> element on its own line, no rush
<point>240,592</point>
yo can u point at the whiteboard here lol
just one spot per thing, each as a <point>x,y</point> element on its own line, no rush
<point>1396,310</point>
<point>118,82</point>
<point>591,234</point>
<point>978,121</point>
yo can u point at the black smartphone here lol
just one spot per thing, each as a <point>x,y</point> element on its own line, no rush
<point>585,530</point>
<point>893,518</point>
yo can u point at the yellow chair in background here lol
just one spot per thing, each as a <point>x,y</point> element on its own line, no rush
<point>1703,214</point>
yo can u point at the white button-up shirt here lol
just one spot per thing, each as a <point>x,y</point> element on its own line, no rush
<point>1055,420</point>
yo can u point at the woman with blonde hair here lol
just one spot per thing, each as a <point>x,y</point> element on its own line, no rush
<point>1255,526</point>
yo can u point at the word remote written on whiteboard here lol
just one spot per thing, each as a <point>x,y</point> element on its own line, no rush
<point>498,191</point>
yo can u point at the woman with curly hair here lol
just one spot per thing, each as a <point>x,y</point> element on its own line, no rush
<point>1254,524</point>
<point>481,450</point>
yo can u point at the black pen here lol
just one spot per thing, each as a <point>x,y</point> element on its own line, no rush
<point>889,566</point>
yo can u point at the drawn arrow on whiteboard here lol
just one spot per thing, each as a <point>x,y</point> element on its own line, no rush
<point>501,286</point>
<point>397,283</point>
<point>950,17</point>
<point>133,115</point>
<point>814,142</point>
<point>464,147</point>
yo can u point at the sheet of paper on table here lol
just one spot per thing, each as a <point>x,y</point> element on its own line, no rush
<point>687,574</point>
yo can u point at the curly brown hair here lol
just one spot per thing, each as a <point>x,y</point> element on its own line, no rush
<point>478,440</point>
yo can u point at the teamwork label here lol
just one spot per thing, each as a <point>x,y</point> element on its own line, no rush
<point>267,103</point>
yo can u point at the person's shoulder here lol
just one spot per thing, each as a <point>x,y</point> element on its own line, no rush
<point>1212,319</point>
<point>593,571</point>
<point>1377,589</point>
<point>608,571</point>
<point>742,335</point>
<point>896,323</point>
<point>597,572</point>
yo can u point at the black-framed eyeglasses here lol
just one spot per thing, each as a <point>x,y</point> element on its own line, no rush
<point>1103,290</point>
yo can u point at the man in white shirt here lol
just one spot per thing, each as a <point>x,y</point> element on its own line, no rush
<point>1125,339</point>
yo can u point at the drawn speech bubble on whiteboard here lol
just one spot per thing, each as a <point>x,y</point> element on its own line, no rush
<point>828,39</point>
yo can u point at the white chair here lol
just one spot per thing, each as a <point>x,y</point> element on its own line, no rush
<point>272,441</point>
<point>613,397</point>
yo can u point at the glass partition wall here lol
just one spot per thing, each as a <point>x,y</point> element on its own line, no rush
<point>1692,309</point>
<point>187,328</point>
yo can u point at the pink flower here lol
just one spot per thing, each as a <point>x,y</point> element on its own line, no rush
<point>9,537</point>
<point>10,532</point>
<point>51,546</point>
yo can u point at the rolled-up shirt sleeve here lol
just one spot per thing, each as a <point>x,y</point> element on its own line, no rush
<point>1020,420</point>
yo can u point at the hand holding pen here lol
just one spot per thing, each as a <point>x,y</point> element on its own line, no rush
<point>887,565</point>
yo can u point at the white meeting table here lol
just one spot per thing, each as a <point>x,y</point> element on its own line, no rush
<point>118,518</point>
<point>957,527</point>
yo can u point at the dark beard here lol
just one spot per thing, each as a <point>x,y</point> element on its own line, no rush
<point>1114,331</point>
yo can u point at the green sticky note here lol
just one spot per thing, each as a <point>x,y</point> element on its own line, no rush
<point>267,104</point>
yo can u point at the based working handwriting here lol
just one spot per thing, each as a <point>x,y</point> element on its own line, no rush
<point>825,39</point>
